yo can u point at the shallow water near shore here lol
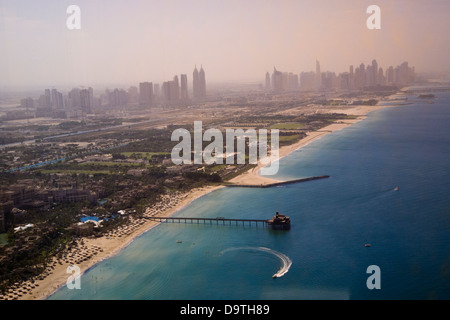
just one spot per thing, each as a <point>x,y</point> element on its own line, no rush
<point>324,255</point>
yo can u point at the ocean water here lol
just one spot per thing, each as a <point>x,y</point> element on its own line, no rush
<point>323,255</point>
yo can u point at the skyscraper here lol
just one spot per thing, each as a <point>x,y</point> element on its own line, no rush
<point>318,75</point>
<point>146,93</point>
<point>267,81</point>
<point>277,80</point>
<point>171,92</point>
<point>195,83</point>
<point>133,95</point>
<point>183,88</point>
<point>47,99</point>
<point>74,98</point>
<point>57,99</point>
<point>199,83</point>
<point>85,101</point>
<point>390,75</point>
<point>374,72</point>
<point>202,82</point>
<point>362,70</point>
<point>174,89</point>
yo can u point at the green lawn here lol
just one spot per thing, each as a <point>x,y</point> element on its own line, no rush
<point>289,138</point>
<point>217,167</point>
<point>75,171</point>
<point>143,154</point>
<point>109,164</point>
<point>287,126</point>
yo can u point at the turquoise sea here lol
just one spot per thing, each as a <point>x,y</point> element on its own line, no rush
<point>324,255</point>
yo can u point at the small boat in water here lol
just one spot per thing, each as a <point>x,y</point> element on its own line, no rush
<point>396,188</point>
<point>367,245</point>
<point>179,241</point>
<point>274,276</point>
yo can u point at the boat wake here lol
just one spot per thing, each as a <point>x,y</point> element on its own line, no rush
<point>285,260</point>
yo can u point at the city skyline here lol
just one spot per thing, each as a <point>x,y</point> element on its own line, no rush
<point>130,42</point>
<point>80,101</point>
<point>355,78</point>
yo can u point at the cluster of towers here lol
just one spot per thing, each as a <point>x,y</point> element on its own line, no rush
<point>173,92</point>
<point>81,101</point>
<point>199,83</point>
<point>361,77</point>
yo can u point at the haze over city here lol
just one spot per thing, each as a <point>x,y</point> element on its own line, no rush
<point>236,41</point>
<point>298,148</point>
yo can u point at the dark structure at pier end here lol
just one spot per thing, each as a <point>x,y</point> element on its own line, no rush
<point>280,222</point>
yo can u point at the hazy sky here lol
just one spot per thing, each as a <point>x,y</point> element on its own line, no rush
<point>129,41</point>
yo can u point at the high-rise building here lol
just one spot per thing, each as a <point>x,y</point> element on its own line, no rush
<point>183,88</point>
<point>47,99</point>
<point>370,76</point>
<point>85,101</point>
<point>374,72</point>
<point>175,89</point>
<point>133,94</point>
<point>171,91</point>
<point>73,100</point>
<point>56,99</point>
<point>318,76</point>
<point>390,75</point>
<point>146,94</point>
<point>362,73</point>
<point>351,78</point>
<point>117,98</point>
<point>405,74</point>
<point>267,81</point>
<point>202,82</point>
<point>199,83</point>
<point>380,78</point>
<point>195,83</point>
<point>277,80</point>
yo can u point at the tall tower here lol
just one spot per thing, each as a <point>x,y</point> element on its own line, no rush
<point>362,70</point>
<point>175,89</point>
<point>374,72</point>
<point>85,101</point>
<point>146,93</point>
<point>267,81</point>
<point>202,82</point>
<point>183,88</point>
<point>195,83</point>
<point>318,75</point>
<point>277,80</point>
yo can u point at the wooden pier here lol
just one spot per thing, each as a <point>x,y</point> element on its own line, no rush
<point>217,221</point>
<point>279,221</point>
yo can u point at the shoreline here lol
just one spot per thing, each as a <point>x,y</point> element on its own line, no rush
<point>99,249</point>
<point>253,177</point>
<point>109,246</point>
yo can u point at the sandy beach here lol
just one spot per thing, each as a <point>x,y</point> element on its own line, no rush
<point>89,251</point>
<point>252,177</point>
